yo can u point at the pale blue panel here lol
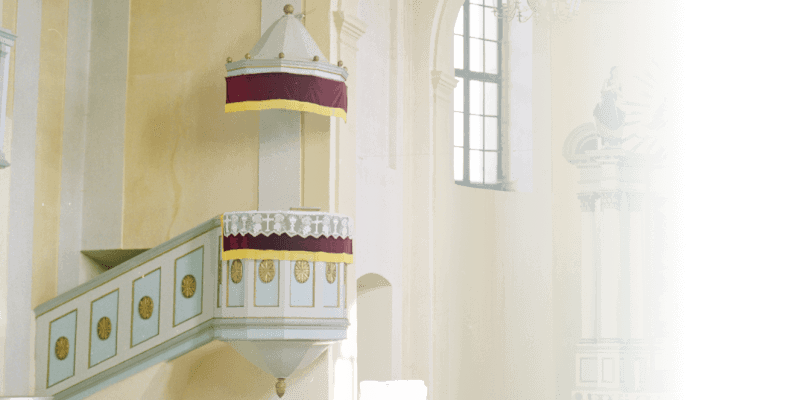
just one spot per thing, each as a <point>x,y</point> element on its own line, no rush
<point>58,370</point>
<point>608,370</point>
<point>267,293</point>
<point>101,350</point>
<point>236,290</point>
<point>588,370</point>
<point>302,294</point>
<point>330,291</point>
<point>190,264</point>
<point>149,285</point>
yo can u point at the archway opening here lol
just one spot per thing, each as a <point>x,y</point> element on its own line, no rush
<point>374,329</point>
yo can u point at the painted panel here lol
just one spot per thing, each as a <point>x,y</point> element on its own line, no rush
<point>608,370</point>
<point>301,289</point>
<point>188,290</point>
<point>145,328</point>
<point>588,370</point>
<point>103,328</point>
<point>267,282</point>
<point>330,285</point>
<point>62,347</point>
<point>236,274</point>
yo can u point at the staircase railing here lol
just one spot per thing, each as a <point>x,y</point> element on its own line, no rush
<point>154,307</point>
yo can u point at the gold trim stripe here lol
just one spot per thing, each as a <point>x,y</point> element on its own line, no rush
<point>286,255</point>
<point>286,105</point>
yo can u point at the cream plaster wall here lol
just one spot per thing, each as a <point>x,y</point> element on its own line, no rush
<point>50,124</point>
<point>4,233</point>
<point>185,159</point>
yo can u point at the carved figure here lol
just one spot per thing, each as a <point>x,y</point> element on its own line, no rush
<point>606,112</point>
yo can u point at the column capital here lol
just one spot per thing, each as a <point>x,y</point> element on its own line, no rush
<point>443,83</point>
<point>610,200</point>
<point>349,27</point>
<point>588,201</point>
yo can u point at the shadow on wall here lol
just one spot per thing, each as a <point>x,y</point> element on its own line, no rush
<point>374,328</point>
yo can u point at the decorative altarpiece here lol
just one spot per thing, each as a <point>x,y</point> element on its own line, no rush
<point>622,183</point>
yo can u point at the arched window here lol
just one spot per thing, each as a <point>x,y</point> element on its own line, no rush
<point>477,106</point>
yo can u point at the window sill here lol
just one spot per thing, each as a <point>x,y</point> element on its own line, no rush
<point>499,186</point>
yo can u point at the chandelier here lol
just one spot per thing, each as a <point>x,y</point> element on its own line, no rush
<point>543,11</point>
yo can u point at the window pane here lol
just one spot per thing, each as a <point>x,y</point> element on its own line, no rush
<point>458,95</point>
<point>490,107</point>
<point>476,21</point>
<point>490,133</point>
<point>475,97</point>
<point>458,164</point>
<point>476,166</point>
<point>475,132</point>
<point>476,55</point>
<point>477,1</point>
<point>491,57</point>
<point>458,128</point>
<point>491,167</point>
<point>458,52</point>
<point>490,24</point>
<point>459,28</point>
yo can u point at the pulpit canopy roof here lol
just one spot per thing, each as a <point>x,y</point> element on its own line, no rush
<point>287,70</point>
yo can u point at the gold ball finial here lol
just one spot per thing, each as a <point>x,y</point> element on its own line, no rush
<point>248,56</point>
<point>281,55</point>
<point>280,387</point>
<point>340,63</point>
<point>345,69</point>
<point>316,58</point>
<point>230,60</point>
<point>288,9</point>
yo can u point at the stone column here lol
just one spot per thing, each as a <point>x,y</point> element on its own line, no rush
<point>343,140</point>
<point>342,192</point>
<point>588,268</point>
<point>280,155</point>
<point>18,347</point>
<point>609,272</point>
<point>439,278</point>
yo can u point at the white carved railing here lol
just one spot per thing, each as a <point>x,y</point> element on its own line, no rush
<point>179,296</point>
<point>616,395</point>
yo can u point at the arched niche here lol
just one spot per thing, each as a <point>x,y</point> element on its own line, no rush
<point>374,331</point>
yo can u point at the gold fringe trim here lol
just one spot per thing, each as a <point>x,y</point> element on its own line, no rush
<point>286,105</point>
<point>286,255</point>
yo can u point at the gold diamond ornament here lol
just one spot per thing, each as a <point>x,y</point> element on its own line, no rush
<point>301,271</point>
<point>236,271</point>
<point>104,328</point>
<point>146,307</point>
<point>330,272</point>
<point>188,286</point>
<point>62,348</point>
<point>266,271</point>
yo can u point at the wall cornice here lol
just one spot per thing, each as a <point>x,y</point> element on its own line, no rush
<point>443,83</point>
<point>349,27</point>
